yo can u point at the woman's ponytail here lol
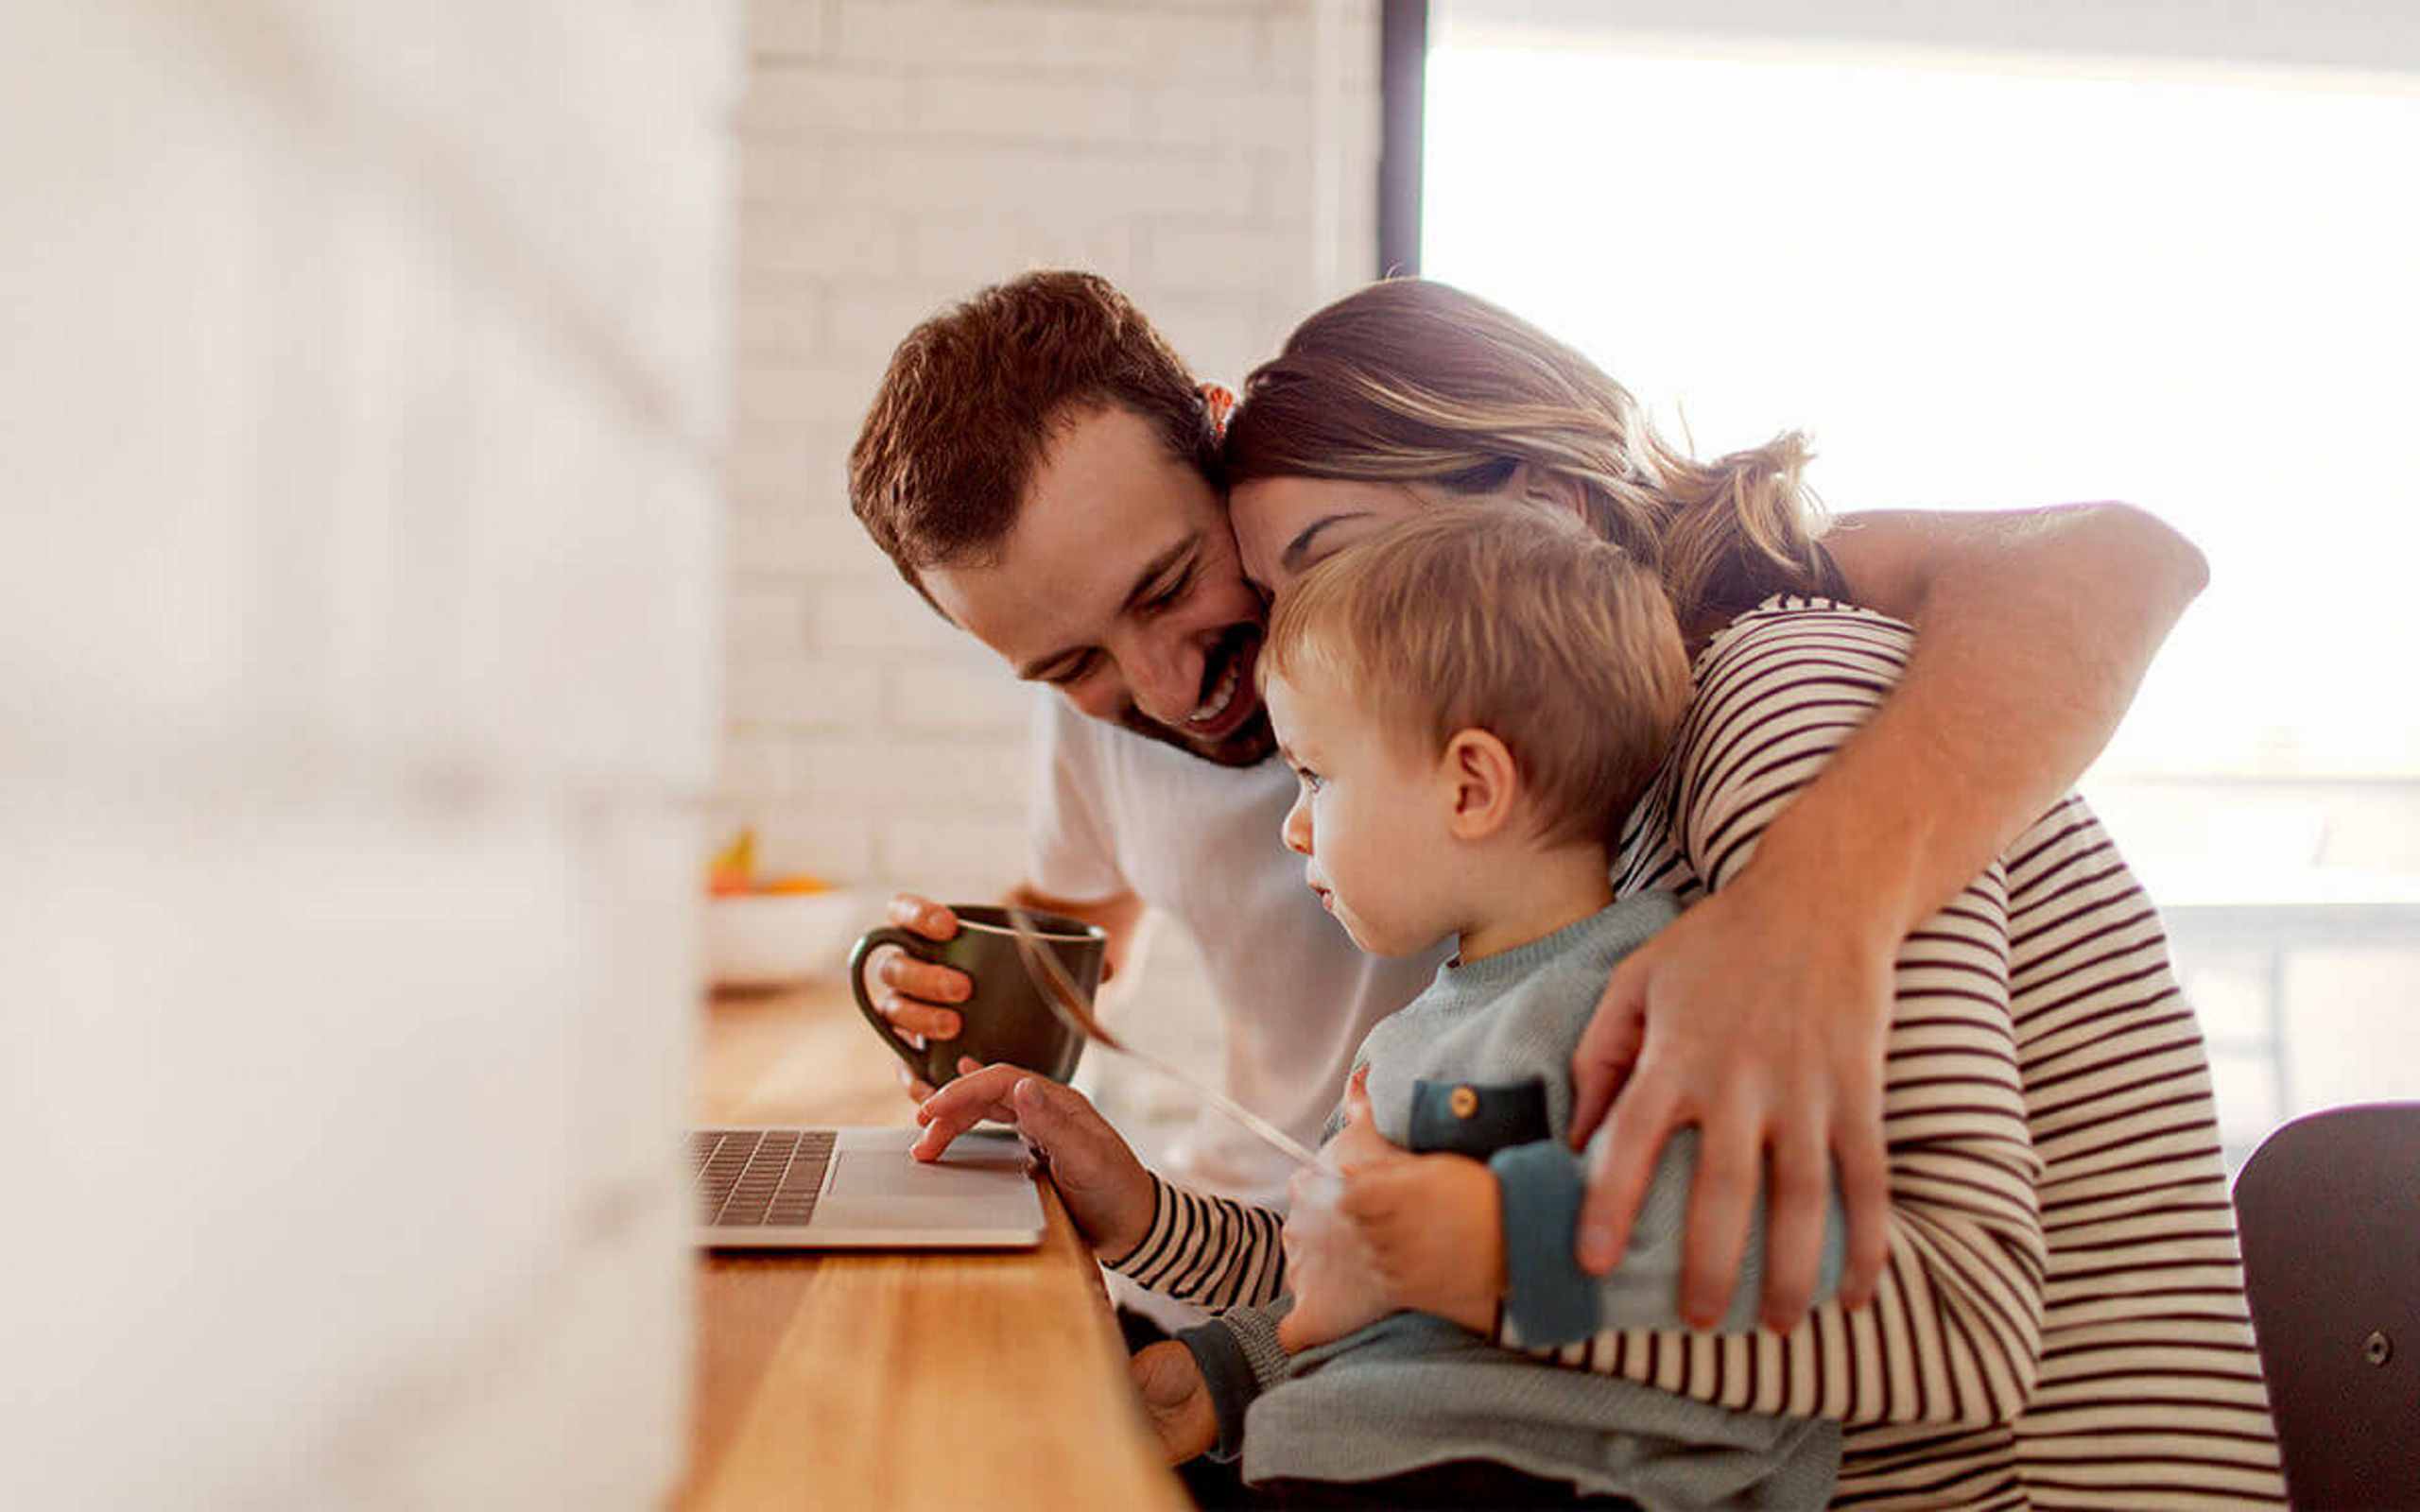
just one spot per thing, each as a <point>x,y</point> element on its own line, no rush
<point>1742,527</point>
<point>1410,381</point>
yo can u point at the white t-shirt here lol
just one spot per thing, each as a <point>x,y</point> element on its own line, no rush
<point>1114,812</point>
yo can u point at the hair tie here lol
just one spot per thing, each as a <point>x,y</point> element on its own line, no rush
<point>1220,403</point>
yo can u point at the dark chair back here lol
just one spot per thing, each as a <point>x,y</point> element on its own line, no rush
<point>2329,1207</point>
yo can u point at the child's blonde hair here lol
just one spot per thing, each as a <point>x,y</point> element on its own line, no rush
<point>1518,621</point>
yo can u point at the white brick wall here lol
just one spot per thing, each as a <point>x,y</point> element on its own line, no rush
<point>364,369</point>
<point>896,156</point>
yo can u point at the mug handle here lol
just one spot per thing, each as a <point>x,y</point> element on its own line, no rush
<point>867,944</point>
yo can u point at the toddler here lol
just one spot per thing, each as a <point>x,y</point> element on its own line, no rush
<point>1471,702</point>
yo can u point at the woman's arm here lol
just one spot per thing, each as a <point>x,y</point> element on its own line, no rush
<point>2034,629</point>
<point>1760,1018</point>
<point>1954,1334</point>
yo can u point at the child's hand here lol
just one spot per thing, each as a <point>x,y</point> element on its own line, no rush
<point>1358,1142</point>
<point>1169,1380</point>
<point>1431,1226</point>
<point>1106,1189</point>
<point>1334,1279</point>
<point>1326,1268</point>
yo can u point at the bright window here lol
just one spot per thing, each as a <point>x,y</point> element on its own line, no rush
<point>1987,281</point>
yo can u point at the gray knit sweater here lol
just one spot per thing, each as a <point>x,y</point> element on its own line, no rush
<point>1491,1043</point>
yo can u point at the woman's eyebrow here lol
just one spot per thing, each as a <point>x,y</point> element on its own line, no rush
<point>1296,549</point>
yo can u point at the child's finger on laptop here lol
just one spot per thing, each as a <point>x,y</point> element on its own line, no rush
<point>974,1096</point>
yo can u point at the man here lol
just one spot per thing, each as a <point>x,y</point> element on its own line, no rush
<point>1044,470</point>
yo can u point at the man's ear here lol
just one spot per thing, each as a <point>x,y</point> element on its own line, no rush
<point>1554,490</point>
<point>1485,784</point>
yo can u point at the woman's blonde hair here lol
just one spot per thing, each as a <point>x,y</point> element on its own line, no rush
<point>1413,381</point>
<point>1515,621</point>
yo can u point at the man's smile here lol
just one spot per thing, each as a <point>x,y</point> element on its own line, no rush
<point>1228,697</point>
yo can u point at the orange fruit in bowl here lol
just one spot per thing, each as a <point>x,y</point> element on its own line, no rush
<point>732,868</point>
<point>738,859</point>
<point>732,873</point>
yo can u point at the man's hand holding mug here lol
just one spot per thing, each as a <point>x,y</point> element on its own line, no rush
<point>943,983</point>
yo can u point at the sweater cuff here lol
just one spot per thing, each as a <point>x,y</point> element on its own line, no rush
<point>1552,1301</point>
<point>1240,1358</point>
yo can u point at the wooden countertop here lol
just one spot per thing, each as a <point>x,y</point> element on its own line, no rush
<point>946,1380</point>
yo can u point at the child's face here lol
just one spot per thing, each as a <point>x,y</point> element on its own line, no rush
<point>1371,816</point>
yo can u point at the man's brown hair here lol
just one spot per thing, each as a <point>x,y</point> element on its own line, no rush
<point>973,396</point>
<point>1517,620</point>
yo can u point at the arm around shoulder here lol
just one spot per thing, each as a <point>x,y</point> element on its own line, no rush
<point>1956,1333</point>
<point>2034,630</point>
<point>1898,561</point>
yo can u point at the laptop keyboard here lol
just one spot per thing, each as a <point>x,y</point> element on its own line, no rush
<point>758,1178</point>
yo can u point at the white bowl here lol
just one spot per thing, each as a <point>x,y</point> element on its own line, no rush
<point>767,938</point>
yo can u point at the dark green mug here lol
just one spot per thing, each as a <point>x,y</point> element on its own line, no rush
<point>1006,1018</point>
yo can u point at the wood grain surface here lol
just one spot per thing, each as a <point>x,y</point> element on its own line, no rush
<point>947,1379</point>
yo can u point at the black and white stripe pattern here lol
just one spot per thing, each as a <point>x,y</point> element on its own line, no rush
<point>2105,1360</point>
<point>2060,1321</point>
<point>1213,1252</point>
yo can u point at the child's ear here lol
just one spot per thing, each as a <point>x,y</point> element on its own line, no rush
<point>1486,785</point>
<point>1555,491</point>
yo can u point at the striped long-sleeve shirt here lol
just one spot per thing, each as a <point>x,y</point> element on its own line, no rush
<point>2119,1372</point>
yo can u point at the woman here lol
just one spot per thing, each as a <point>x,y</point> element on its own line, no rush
<point>2144,1388</point>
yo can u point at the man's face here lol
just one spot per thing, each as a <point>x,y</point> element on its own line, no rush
<point>1119,586</point>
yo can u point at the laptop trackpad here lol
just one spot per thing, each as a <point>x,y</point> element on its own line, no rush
<point>977,1166</point>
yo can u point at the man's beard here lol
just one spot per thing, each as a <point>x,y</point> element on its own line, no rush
<point>1251,743</point>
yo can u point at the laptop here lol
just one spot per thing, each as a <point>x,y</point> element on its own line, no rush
<point>859,1189</point>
